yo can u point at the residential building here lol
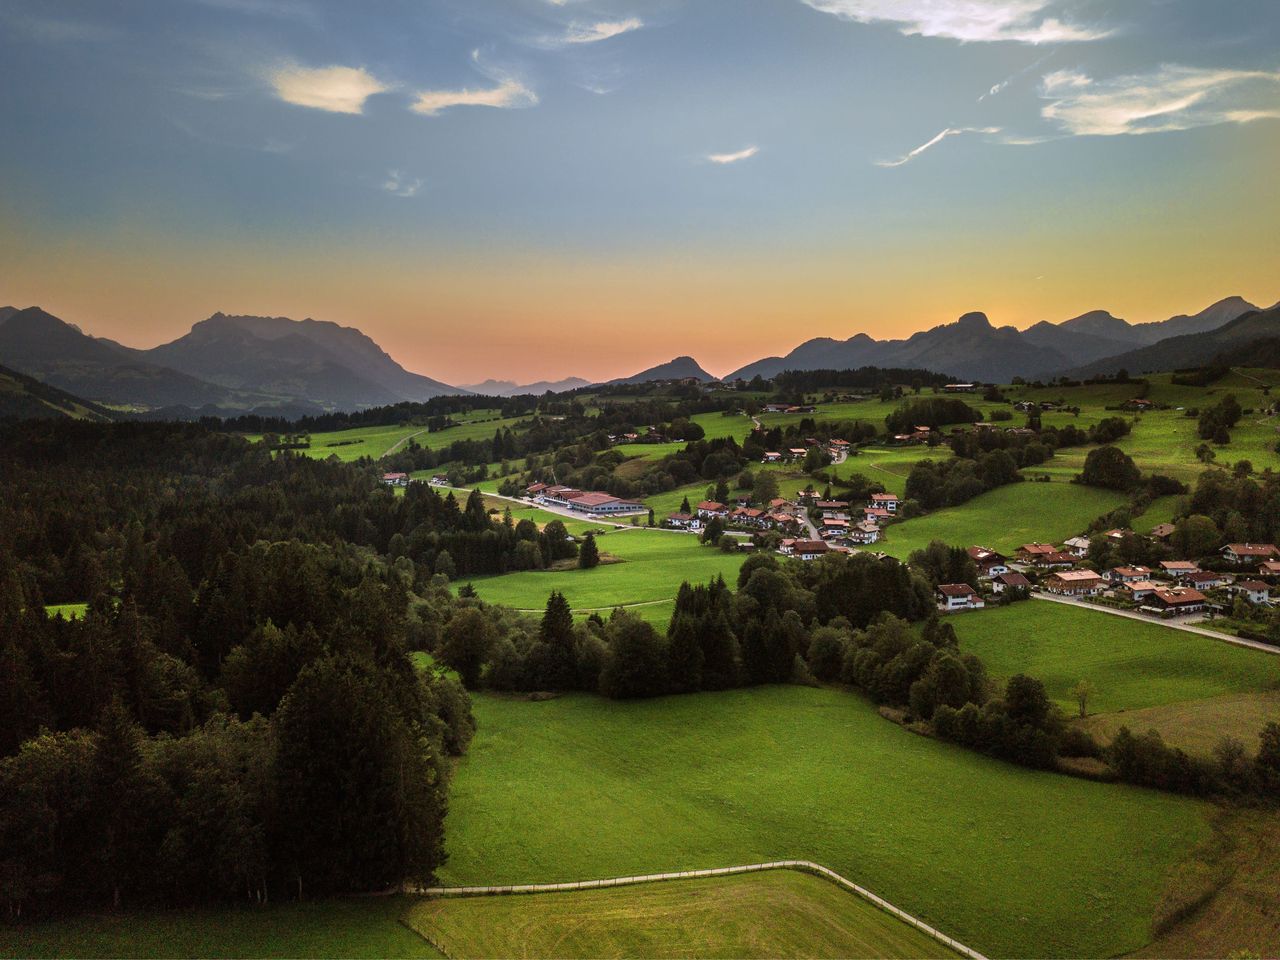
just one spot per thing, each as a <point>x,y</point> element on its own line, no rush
<point>1073,583</point>
<point>1205,579</point>
<point>1029,551</point>
<point>885,501</point>
<point>710,508</point>
<point>684,521</point>
<point>1057,560</point>
<point>396,479</point>
<point>1178,601</point>
<point>771,456</point>
<point>809,549</point>
<point>1128,574</point>
<point>961,388</point>
<point>1269,568</point>
<point>990,563</point>
<point>1162,531</point>
<point>1139,589</point>
<point>1250,552</point>
<point>1173,569</point>
<point>864,532</point>
<point>1009,581</point>
<point>1255,591</point>
<point>1077,546</point>
<point>958,596</point>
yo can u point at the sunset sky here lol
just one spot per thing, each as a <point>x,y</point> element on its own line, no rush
<point>531,189</point>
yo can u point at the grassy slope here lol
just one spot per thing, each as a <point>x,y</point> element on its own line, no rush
<point>655,563</point>
<point>1005,518</point>
<point>1131,664</point>
<point>367,927</point>
<point>1197,726</point>
<point>776,914</point>
<point>69,611</point>
<point>1011,861</point>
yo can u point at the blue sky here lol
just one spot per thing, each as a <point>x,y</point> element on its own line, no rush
<point>722,177</point>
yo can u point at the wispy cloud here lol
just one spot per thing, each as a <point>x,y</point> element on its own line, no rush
<point>933,142</point>
<point>1170,98</point>
<point>336,89</point>
<point>507,93</point>
<point>601,30</point>
<point>1023,21</point>
<point>398,185</point>
<point>723,158</point>
<point>1000,87</point>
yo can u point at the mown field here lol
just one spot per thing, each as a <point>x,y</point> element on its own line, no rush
<point>654,562</point>
<point>363,927</point>
<point>1192,688</point>
<point>780,913</point>
<point>1005,518</point>
<point>1012,861</point>
<point>377,441</point>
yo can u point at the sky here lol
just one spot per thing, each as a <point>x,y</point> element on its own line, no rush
<point>529,189</point>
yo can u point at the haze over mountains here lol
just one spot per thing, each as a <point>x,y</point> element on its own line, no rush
<point>228,364</point>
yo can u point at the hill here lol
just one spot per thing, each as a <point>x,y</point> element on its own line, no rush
<point>26,398</point>
<point>509,388</point>
<point>974,349</point>
<point>1191,349</point>
<point>681,368</point>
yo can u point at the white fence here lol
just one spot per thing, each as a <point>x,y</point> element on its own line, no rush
<point>806,866</point>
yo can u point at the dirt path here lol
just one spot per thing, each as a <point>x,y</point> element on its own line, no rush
<point>401,442</point>
<point>804,866</point>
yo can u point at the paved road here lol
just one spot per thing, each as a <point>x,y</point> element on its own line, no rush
<point>804,866</point>
<point>1171,624</point>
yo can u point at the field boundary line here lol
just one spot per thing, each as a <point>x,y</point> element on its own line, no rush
<point>802,866</point>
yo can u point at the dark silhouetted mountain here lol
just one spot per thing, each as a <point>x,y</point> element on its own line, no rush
<point>1192,349</point>
<point>308,360</point>
<point>27,398</point>
<point>681,368</point>
<point>509,388</point>
<point>42,346</point>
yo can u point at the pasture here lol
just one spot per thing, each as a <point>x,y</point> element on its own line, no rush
<point>579,787</point>
<point>376,442</point>
<point>779,913</point>
<point>69,611</point>
<point>654,562</point>
<point>1005,518</point>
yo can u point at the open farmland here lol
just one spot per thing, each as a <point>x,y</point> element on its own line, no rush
<point>579,787</point>
<point>779,913</point>
<point>654,562</point>
<point>1005,518</point>
<point>377,441</point>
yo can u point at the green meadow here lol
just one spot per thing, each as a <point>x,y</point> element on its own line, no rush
<point>69,611</point>
<point>580,787</point>
<point>377,441</point>
<point>1005,518</point>
<point>779,913</point>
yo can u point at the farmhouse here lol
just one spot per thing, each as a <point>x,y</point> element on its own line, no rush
<point>771,456</point>
<point>1139,589</point>
<point>396,479</point>
<point>1162,531</point>
<point>1269,568</point>
<point>1173,569</point>
<point>1179,600</point>
<point>1057,560</point>
<point>1255,591</point>
<point>796,453</point>
<point>809,549</point>
<point>1249,552</point>
<point>1029,551</point>
<point>1009,581</point>
<point>864,532</point>
<point>1205,580</point>
<point>958,596</point>
<point>1073,583</point>
<point>684,521</point>
<point>534,489</point>
<point>1128,574</point>
<point>876,515</point>
<point>884,501</point>
<point>710,508</point>
<point>1077,546</point>
<point>989,562</point>
<point>439,480</point>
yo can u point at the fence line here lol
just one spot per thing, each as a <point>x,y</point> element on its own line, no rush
<point>805,866</point>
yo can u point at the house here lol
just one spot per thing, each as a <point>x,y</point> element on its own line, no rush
<point>1057,560</point>
<point>710,508</point>
<point>684,521</point>
<point>885,501</point>
<point>876,515</point>
<point>1128,574</point>
<point>395,479</point>
<point>779,503</point>
<point>809,549</point>
<point>439,480</point>
<point>1178,601</point>
<point>1116,535</point>
<point>1029,551</point>
<point>1009,581</point>
<point>559,494</point>
<point>1255,591</point>
<point>1269,568</point>
<point>1162,531</point>
<point>1139,589</point>
<point>776,407</point>
<point>864,532</point>
<point>796,453</point>
<point>837,506</point>
<point>1173,569</point>
<point>838,447</point>
<point>751,516</point>
<point>834,528</point>
<point>535,489</point>
<point>1077,546</point>
<point>989,562</point>
<point>1137,404</point>
<point>960,388</point>
<point>1073,583</point>
<point>958,596</point>
<point>742,499</point>
<point>1249,552</point>
<point>1205,579</point>
<point>771,456</point>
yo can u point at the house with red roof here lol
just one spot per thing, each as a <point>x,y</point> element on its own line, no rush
<point>958,596</point>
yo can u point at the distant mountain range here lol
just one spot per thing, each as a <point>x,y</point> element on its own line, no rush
<point>974,349</point>
<point>509,388</point>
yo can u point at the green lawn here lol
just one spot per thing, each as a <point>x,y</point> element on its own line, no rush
<point>654,564</point>
<point>780,913</point>
<point>1131,664</point>
<point>1005,518</point>
<point>365,927</point>
<point>1011,861</point>
<point>69,611</point>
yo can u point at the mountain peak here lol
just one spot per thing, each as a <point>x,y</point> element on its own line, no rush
<point>681,368</point>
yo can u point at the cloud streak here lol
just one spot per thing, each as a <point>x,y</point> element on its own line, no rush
<point>507,93</point>
<point>1169,99</point>
<point>933,142</point>
<point>398,185</point>
<point>601,30</point>
<point>334,89</point>
<point>1022,21</point>
<point>739,156</point>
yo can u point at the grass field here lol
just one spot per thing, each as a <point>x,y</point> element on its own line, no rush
<point>1005,518</point>
<point>365,927</point>
<point>1131,664</point>
<point>654,564</point>
<point>69,611</point>
<point>780,913</point>
<point>378,441</point>
<point>1011,861</point>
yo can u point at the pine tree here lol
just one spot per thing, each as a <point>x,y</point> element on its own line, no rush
<point>684,506</point>
<point>589,555</point>
<point>685,655</point>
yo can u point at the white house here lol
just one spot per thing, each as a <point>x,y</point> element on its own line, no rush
<point>958,596</point>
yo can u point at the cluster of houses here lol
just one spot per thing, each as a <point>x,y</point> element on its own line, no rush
<point>1172,588</point>
<point>590,502</point>
<point>838,449</point>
